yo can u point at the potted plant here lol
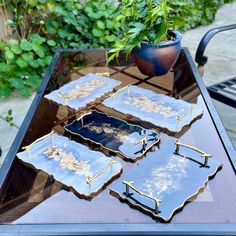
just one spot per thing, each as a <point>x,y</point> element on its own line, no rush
<point>148,36</point>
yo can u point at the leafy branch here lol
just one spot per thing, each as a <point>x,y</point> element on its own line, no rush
<point>8,118</point>
<point>144,21</point>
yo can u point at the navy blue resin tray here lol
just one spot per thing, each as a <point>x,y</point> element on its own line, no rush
<point>132,141</point>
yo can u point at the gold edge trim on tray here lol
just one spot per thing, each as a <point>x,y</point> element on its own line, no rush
<point>203,154</point>
<point>128,185</point>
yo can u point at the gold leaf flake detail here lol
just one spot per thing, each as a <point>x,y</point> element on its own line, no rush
<point>84,91</point>
<point>147,105</point>
<point>68,161</point>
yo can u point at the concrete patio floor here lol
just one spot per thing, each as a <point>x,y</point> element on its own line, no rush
<point>221,65</point>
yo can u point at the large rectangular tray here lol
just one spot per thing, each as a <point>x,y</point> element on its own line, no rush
<point>83,91</point>
<point>117,135</point>
<point>166,179</point>
<point>71,163</point>
<point>158,109</point>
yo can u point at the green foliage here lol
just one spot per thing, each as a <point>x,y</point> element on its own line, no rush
<point>42,26</point>
<point>149,20</point>
<point>143,21</point>
<point>188,14</point>
<point>18,61</point>
<point>92,24</point>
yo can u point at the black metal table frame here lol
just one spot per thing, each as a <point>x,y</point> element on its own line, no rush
<point>117,229</point>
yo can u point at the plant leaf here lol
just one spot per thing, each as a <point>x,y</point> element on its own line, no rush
<point>38,49</point>
<point>37,38</point>
<point>5,68</point>
<point>51,43</point>
<point>138,27</point>
<point>25,92</point>
<point>28,56</point>
<point>21,63</point>
<point>97,32</point>
<point>34,63</point>
<point>25,45</point>
<point>9,55</point>
<point>111,38</point>
<point>15,48</point>
<point>100,25</point>
<point>33,81</point>
<point>5,90</point>
<point>17,83</point>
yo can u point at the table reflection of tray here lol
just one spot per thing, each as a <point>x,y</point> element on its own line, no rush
<point>165,180</point>
<point>86,89</point>
<point>132,141</point>
<point>158,109</point>
<point>71,163</point>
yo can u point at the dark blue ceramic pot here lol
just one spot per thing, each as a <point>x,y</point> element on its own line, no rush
<point>158,60</point>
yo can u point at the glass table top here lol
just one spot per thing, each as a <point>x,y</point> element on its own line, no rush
<point>33,197</point>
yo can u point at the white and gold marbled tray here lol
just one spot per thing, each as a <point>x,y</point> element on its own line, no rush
<point>79,93</point>
<point>71,163</point>
<point>160,110</point>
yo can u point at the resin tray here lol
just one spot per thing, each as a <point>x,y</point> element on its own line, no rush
<point>132,141</point>
<point>160,110</point>
<point>165,180</point>
<point>71,163</point>
<point>86,89</point>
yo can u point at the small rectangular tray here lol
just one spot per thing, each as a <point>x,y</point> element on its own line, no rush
<point>132,141</point>
<point>71,163</point>
<point>163,181</point>
<point>160,110</point>
<point>83,91</point>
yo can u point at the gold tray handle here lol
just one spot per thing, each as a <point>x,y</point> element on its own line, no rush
<point>81,118</point>
<point>91,179</point>
<point>190,110</point>
<point>143,140</point>
<point>103,74</point>
<point>64,97</point>
<point>205,155</point>
<point>114,94</point>
<point>27,148</point>
<point>129,184</point>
